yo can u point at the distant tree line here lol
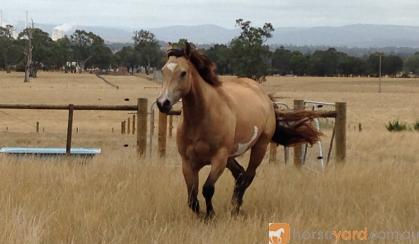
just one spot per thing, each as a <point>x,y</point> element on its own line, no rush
<point>328,62</point>
<point>333,63</point>
<point>247,55</point>
<point>402,52</point>
<point>85,50</point>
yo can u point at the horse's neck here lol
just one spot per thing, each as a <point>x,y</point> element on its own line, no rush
<point>196,105</point>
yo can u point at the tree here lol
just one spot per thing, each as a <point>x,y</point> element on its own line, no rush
<point>249,56</point>
<point>90,50</point>
<point>102,56</point>
<point>81,42</point>
<point>353,66</point>
<point>281,61</point>
<point>390,65</point>
<point>325,63</point>
<point>26,38</point>
<point>9,53</point>
<point>148,49</point>
<point>61,53</point>
<point>299,63</point>
<point>373,64</point>
<point>411,65</point>
<point>127,57</point>
<point>41,48</point>
<point>220,55</point>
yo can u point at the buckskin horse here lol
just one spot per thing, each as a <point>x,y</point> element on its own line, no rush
<point>221,121</point>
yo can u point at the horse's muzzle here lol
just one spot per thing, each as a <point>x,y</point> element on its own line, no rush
<point>164,106</point>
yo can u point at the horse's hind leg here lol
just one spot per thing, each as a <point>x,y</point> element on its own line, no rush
<point>238,173</point>
<point>243,181</point>
<point>235,168</point>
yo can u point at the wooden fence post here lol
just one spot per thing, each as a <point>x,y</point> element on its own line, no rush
<point>162,134</point>
<point>340,136</point>
<point>129,126</point>
<point>69,129</point>
<point>272,152</point>
<point>142,126</point>
<point>152,117</point>
<point>298,149</point>
<point>37,126</point>
<point>122,128</point>
<point>170,125</point>
<point>133,124</point>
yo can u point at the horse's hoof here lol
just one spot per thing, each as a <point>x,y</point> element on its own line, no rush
<point>199,214</point>
<point>235,212</point>
<point>209,216</point>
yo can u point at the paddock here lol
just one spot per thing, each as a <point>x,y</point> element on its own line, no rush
<point>119,198</point>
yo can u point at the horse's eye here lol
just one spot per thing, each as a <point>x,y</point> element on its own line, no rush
<point>183,74</point>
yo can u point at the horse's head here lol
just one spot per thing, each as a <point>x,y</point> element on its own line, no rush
<point>176,78</point>
<point>178,74</point>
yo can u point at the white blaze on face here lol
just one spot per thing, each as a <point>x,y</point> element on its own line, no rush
<point>171,66</point>
<point>165,93</point>
<point>242,147</point>
<point>164,96</point>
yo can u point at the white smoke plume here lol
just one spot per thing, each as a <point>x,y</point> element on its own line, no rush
<point>59,31</point>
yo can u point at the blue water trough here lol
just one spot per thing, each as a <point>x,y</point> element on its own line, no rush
<point>49,151</point>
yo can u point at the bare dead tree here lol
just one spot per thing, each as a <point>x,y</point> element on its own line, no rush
<point>83,63</point>
<point>28,54</point>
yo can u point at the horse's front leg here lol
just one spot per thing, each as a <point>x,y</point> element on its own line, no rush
<point>218,164</point>
<point>192,182</point>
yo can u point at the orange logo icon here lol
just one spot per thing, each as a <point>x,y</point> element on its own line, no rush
<point>279,233</point>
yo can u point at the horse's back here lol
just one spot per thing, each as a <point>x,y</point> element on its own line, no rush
<point>246,94</point>
<point>250,104</point>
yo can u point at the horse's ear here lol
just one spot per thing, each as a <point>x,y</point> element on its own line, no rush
<point>169,47</point>
<point>188,50</point>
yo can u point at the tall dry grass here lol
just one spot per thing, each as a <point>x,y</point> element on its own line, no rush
<point>116,198</point>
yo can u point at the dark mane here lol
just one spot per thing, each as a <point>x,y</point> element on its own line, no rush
<point>205,67</point>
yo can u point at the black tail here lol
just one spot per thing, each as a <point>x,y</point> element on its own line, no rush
<point>295,127</point>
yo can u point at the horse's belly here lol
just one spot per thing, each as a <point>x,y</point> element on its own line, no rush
<point>241,147</point>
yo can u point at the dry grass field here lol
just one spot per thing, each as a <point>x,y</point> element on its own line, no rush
<point>116,198</point>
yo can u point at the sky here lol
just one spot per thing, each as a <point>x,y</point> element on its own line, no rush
<point>132,14</point>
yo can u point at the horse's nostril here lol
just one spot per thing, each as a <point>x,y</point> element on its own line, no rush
<point>164,106</point>
<point>166,103</point>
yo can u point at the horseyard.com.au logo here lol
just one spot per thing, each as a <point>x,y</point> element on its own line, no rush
<point>279,233</point>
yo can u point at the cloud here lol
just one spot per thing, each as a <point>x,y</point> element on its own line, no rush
<point>134,14</point>
<point>65,27</point>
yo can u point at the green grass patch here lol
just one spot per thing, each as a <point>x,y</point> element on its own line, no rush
<point>416,125</point>
<point>396,126</point>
